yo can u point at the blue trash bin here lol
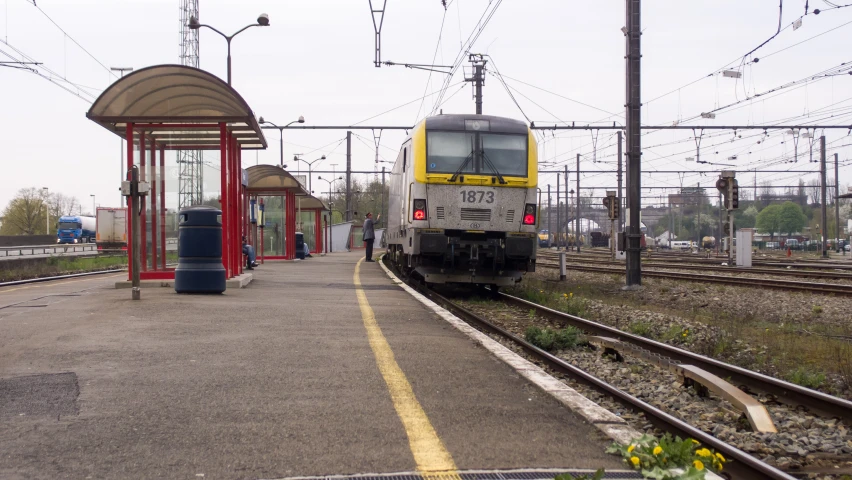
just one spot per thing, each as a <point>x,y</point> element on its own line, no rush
<point>200,268</point>
<point>300,245</point>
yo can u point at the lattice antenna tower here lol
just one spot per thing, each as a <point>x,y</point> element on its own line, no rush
<point>190,162</point>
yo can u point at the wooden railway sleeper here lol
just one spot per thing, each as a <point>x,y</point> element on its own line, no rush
<point>704,381</point>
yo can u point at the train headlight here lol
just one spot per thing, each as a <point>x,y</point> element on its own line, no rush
<point>529,214</point>
<point>419,209</point>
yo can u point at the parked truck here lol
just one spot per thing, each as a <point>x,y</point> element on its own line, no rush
<point>75,229</point>
<point>111,228</point>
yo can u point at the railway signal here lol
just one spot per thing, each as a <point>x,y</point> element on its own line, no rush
<point>613,207</point>
<point>729,188</point>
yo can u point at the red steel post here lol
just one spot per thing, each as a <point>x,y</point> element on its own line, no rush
<point>154,200</point>
<point>143,204</point>
<point>163,207</point>
<point>129,135</point>
<point>223,198</point>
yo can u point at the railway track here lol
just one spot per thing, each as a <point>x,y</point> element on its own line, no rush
<point>778,284</point>
<point>744,466</point>
<point>717,268</point>
<point>812,264</point>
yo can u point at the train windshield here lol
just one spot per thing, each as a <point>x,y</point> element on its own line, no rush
<point>69,226</point>
<point>476,153</point>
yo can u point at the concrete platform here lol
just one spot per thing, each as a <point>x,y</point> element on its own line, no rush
<point>279,379</point>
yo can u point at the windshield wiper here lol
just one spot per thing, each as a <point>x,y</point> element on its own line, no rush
<point>464,163</point>
<point>492,167</point>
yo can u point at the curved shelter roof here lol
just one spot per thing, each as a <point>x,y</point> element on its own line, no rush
<point>190,100</point>
<point>272,180</point>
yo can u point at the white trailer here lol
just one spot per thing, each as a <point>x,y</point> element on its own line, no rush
<point>111,228</point>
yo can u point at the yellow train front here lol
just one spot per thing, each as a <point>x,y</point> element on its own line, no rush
<point>462,203</point>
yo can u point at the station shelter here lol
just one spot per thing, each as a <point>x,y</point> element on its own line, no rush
<point>280,207</point>
<point>171,109</point>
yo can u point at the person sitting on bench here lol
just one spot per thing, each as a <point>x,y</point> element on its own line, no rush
<point>248,251</point>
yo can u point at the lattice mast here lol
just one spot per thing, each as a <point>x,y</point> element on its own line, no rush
<point>190,162</point>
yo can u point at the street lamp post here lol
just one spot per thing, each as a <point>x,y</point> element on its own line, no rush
<point>310,165</point>
<point>121,141</point>
<point>46,210</point>
<point>281,137</point>
<point>262,21</point>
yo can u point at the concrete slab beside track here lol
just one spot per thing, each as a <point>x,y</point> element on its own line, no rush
<point>275,380</point>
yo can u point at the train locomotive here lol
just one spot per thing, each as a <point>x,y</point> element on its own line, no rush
<point>462,205</point>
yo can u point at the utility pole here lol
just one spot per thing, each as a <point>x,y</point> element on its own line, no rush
<point>822,175</point>
<point>549,223</point>
<point>719,241</point>
<point>634,142</point>
<point>620,204</point>
<point>671,222</point>
<point>577,232</point>
<point>558,215</point>
<point>698,227</point>
<point>567,210</point>
<point>836,206</point>
<point>349,176</point>
<point>478,79</point>
<point>382,213</point>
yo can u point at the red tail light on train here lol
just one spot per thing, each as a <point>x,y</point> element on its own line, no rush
<point>529,214</point>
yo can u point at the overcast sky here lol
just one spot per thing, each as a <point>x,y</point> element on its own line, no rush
<point>316,60</point>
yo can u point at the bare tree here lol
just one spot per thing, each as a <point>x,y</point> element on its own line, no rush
<point>61,204</point>
<point>814,189</point>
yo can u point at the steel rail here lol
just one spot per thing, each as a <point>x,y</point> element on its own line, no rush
<point>743,466</point>
<point>719,268</point>
<point>750,282</point>
<point>785,392</point>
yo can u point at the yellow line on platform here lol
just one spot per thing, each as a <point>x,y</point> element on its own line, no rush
<point>432,458</point>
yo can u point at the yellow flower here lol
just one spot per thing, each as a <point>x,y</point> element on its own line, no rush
<point>635,461</point>
<point>684,334</point>
<point>571,294</point>
<point>721,458</point>
<point>657,450</point>
<point>565,295</point>
<point>630,448</point>
<point>704,453</point>
<point>695,441</point>
<point>698,465</point>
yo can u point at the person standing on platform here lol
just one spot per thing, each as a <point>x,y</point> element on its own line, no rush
<point>370,234</point>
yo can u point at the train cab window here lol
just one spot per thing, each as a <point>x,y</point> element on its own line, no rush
<point>507,153</point>
<point>448,151</point>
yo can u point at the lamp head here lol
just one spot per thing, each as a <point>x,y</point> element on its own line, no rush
<point>263,20</point>
<point>301,119</point>
<point>193,23</point>
<point>322,157</point>
<point>261,120</point>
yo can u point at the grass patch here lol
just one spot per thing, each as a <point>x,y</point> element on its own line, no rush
<point>46,267</point>
<point>806,377</point>
<point>553,340</point>
<point>643,329</point>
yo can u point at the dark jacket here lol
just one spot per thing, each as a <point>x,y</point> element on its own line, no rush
<point>369,234</point>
